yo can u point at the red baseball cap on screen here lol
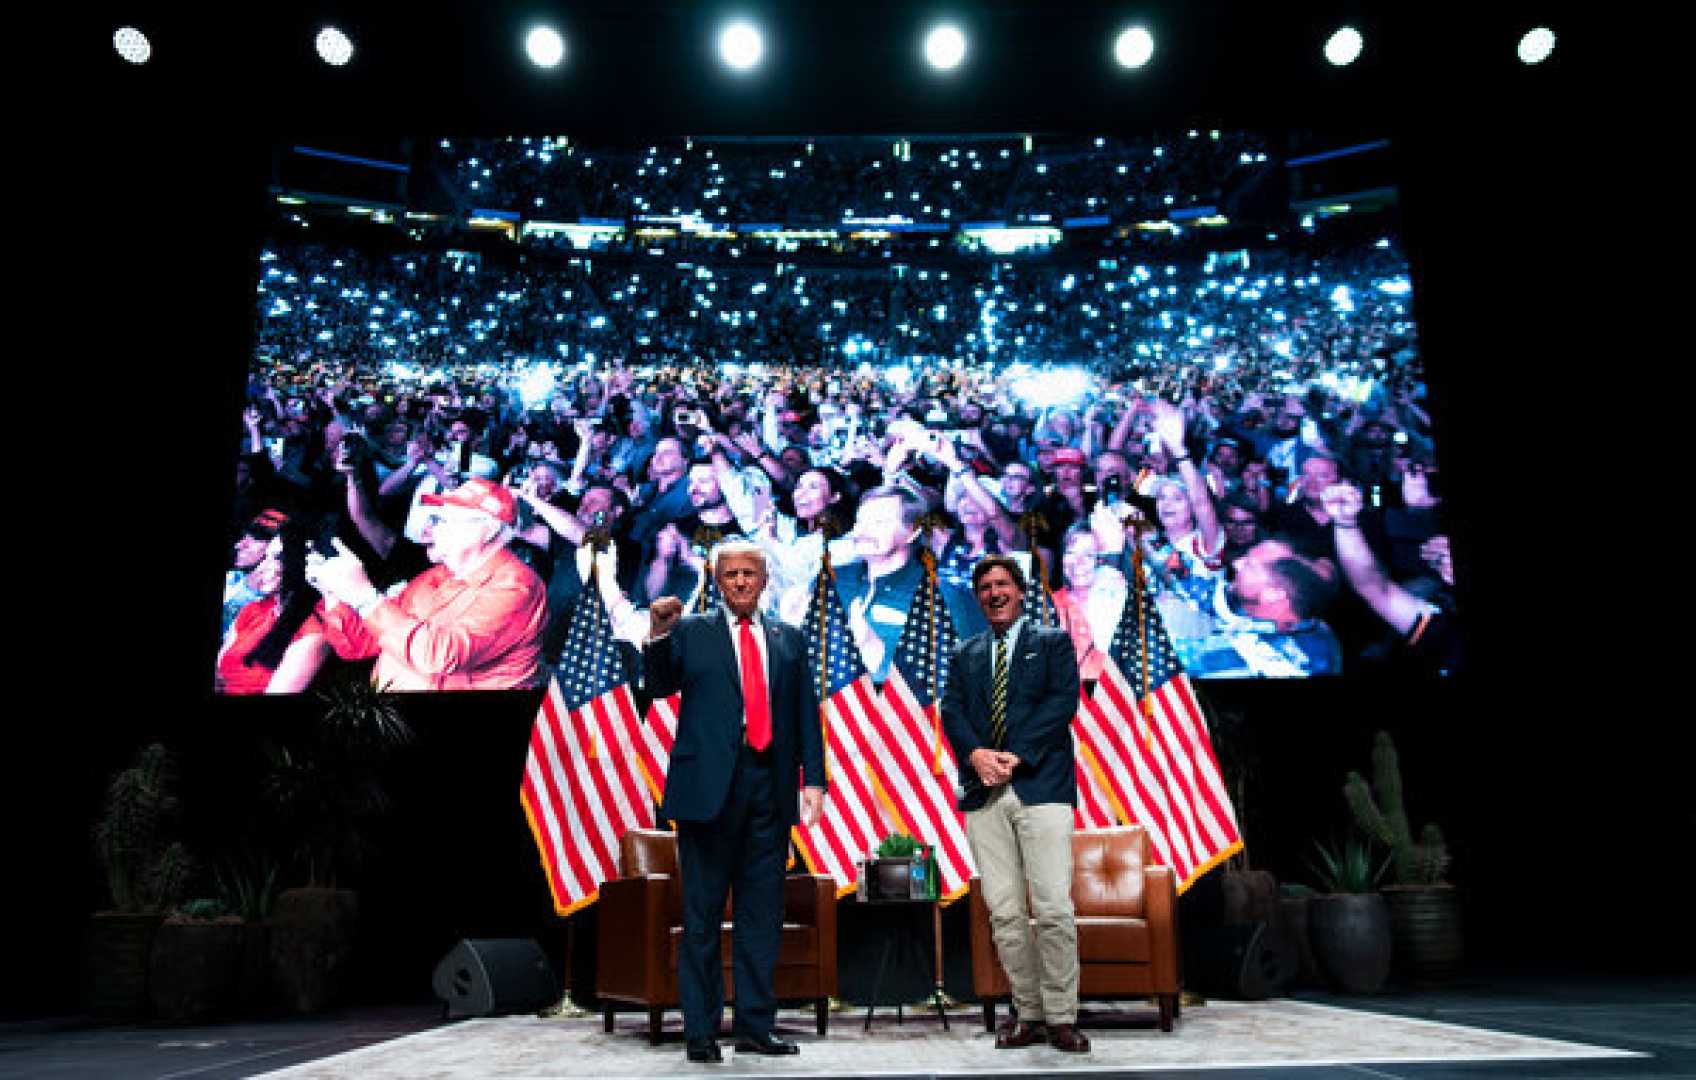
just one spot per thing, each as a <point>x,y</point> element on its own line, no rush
<point>478,494</point>
<point>1068,455</point>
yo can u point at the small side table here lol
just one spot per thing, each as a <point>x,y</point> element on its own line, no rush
<point>909,940</point>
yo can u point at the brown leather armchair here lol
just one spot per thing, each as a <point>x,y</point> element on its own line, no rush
<point>641,926</point>
<point>1127,917</point>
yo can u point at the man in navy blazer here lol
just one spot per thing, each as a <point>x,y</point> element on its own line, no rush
<point>1012,737</point>
<point>748,723</point>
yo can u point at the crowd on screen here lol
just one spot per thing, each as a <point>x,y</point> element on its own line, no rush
<point>1248,431</point>
<point>984,178</point>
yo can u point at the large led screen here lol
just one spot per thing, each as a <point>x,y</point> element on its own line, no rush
<point>497,379</point>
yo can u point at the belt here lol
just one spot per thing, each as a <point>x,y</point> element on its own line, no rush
<point>758,757</point>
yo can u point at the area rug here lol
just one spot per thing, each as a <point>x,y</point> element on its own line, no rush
<point>1220,1034</point>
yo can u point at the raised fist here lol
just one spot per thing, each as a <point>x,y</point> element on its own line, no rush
<point>1342,502</point>
<point>663,615</point>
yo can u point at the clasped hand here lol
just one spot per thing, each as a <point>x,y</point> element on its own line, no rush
<point>994,766</point>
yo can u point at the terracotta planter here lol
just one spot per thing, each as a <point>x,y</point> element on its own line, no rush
<point>196,968</point>
<point>1425,926</point>
<point>116,951</point>
<point>312,937</point>
<point>1350,934</point>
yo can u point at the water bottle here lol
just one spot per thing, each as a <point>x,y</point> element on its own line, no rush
<point>917,892</point>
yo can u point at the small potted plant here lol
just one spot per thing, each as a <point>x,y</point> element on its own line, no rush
<point>1424,911</point>
<point>1348,922</point>
<point>326,788</point>
<point>146,872</point>
<point>196,962</point>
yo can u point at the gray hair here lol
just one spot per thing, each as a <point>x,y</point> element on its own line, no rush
<point>735,547</point>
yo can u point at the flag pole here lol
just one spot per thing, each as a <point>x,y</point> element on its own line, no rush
<point>933,593</point>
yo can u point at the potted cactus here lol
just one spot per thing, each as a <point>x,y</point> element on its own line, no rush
<point>146,872</point>
<point>1424,910</point>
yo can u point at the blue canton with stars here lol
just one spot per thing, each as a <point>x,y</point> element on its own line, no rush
<point>1039,603</point>
<point>590,664</point>
<point>1126,649</point>
<point>844,656</point>
<point>927,641</point>
<point>707,596</point>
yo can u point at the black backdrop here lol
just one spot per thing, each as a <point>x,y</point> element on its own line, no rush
<point>1551,766</point>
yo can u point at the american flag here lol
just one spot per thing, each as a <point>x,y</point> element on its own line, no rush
<point>917,771</point>
<point>582,788</point>
<point>851,824</point>
<point>1143,727</point>
<point>659,727</point>
<point>1039,598</point>
<point>1095,803</point>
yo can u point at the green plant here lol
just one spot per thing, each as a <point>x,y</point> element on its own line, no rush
<point>146,870</point>
<point>1381,813</point>
<point>206,908</point>
<point>326,785</point>
<point>1347,867</point>
<point>897,846</point>
<point>248,887</point>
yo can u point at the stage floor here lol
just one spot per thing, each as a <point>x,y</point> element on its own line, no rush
<point>1511,1026</point>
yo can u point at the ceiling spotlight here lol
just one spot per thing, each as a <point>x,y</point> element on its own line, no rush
<point>334,48</point>
<point>132,45</point>
<point>1344,47</point>
<point>1134,48</point>
<point>740,46</point>
<point>945,47</point>
<point>545,46</point>
<point>1536,45</point>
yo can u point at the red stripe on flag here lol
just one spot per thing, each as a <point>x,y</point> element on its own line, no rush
<point>935,808</point>
<point>565,847</point>
<point>583,802</point>
<point>547,839</point>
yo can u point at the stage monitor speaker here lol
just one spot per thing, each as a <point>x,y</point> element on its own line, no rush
<point>1248,960</point>
<point>494,977</point>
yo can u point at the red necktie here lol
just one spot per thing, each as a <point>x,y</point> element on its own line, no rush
<point>754,690</point>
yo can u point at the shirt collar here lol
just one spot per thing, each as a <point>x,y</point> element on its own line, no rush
<point>733,619</point>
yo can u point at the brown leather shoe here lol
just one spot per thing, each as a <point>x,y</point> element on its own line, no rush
<point>1067,1037</point>
<point>1017,1033</point>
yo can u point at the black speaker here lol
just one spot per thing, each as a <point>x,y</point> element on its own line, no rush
<point>1247,960</point>
<point>494,977</point>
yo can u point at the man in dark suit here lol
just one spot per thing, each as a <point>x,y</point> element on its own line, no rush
<point>1012,692</point>
<point>749,720</point>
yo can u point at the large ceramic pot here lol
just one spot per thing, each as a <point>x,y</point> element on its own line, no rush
<point>116,949</point>
<point>312,935</point>
<point>196,968</point>
<point>1425,926</point>
<point>1350,934</point>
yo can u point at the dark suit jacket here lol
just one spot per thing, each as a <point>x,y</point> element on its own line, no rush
<point>1042,699</point>
<point>698,659</point>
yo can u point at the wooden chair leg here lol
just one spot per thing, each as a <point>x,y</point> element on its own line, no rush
<point>606,1019</point>
<point>821,1009</point>
<point>989,1016</point>
<point>655,1016</point>
<point>1168,1010</point>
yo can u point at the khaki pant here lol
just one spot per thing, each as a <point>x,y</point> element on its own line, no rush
<point>1016,846</point>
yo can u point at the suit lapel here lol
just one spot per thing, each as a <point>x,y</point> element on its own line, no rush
<point>727,651</point>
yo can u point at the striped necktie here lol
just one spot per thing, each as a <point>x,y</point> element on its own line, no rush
<point>998,694</point>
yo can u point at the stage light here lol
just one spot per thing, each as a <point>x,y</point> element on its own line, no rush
<point>740,46</point>
<point>334,48</point>
<point>132,45</point>
<point>945,47</point>
<point>1536,45</point>
<point>1344,46</point>
<point>545,46</point>
<point>1134,47</point>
